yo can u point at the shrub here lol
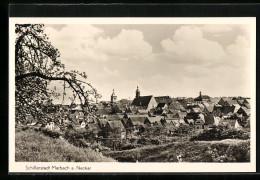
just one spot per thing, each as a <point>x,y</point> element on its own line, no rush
<point>220,134</point>
<point>127,146</point>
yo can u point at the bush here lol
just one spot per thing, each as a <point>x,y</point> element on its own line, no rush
<point>127,146</point>
<point>220,134</point>
<point>53,134</point>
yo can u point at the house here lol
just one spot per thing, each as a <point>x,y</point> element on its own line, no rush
<point>182,115</point>
<point>244,111</point>
<point>237,107</point>
<point>162,106</point>
<point>115,127</point>
<point>189,121</point>
<point>209,106</point>
<point>102,122</point>
<point>209,121</point>
<point>163,99</point>
<point>144,102</point>
<point>95,128</point>
<point>175,105</point>
<point>198,124</point>
<point>126,116</point>
<point>103,112</point>
<point>172,116</point>
<point>51,126</point>
<point>137,124</point>
<point>202,98</point>
<point>113,117</point>
<point>240,101</point>
<point>214,100</point>
<point>246,101</point>
<point>155,120</point>
<point>160,112</point>
<point>227,101</point>
<point>227,123</point>
<point>169,127</point>
<point>142,111</point>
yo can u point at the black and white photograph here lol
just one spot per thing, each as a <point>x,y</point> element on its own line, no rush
<point>106,93</point>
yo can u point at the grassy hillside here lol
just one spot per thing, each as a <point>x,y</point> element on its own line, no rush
<point>215,151</point>
<point>31,146</point>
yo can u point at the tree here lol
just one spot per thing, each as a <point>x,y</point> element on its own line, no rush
<point>37,63</point>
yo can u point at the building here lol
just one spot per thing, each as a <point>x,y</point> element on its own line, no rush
<point>144,102</point>
<point>202,98</point>
<point>113,97</point>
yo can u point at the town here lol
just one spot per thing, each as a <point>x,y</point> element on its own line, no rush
<point>116,123</point>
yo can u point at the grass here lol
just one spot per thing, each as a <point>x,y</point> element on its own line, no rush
<point>32,146</point>
<point>228,151</point>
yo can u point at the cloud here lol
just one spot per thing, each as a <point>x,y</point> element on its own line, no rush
<point>76,42</point>
<point>240,49</point>
<point>216,28</point>
<point>127,44</point>
<point>188,44</point>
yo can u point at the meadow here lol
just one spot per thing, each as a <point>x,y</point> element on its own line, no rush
<point>33,146</point>
<point>190,151</point>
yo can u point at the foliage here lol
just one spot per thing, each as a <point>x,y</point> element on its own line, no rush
<point>237,151</point>
<point>31,146</point>
<point>219,134</point>
<point>37,63</point>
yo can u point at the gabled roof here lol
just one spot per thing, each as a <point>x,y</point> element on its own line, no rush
<point>171,116</point>
<point>162,99</point>
<point>182,114</point>
<point>237,107</point>
<point>232,102</point>
<point>172,111</point>
<point>247,111</point>
<point>214,100</point>
<point>155,119</point>
<point>94,127</point>
<point>115,124</point>
<point>209,119</point>
<point>142,101</point>
<point>247,105</point>
<point>209,106</point>
<point>247,101</point>
<point>240,101</point>
<point>161,105</point>
<point>104,111</point>
<point>136,115</point>
<point>138,120</point>
<point>113,117</point>
<point>103,121</point>
<point>142,111</point>
<point>176,105</point>
<point>196,110</point>
<point>169,125</point>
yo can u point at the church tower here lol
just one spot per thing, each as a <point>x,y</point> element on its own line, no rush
<point>137,93</point>
<point>113,97</point>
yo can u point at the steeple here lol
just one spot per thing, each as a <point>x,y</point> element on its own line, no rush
<point>113,97</point>
<point>137,93</point>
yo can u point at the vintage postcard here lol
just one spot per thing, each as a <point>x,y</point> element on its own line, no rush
<point>96,95</point>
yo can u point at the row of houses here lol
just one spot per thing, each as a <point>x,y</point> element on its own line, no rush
<point>146,113</point>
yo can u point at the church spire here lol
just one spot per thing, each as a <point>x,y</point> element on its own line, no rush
<point>137,93</point>
<point>113,97</point>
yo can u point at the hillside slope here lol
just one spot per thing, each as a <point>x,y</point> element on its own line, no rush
<point>216,151</point>
<point>32,146</point>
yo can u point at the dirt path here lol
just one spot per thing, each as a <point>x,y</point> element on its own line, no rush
<point>225,141</point>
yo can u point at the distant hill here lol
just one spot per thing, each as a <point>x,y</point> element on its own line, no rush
<point>32,146</point>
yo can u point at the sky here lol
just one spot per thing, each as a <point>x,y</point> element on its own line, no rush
<point>161,59</point>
